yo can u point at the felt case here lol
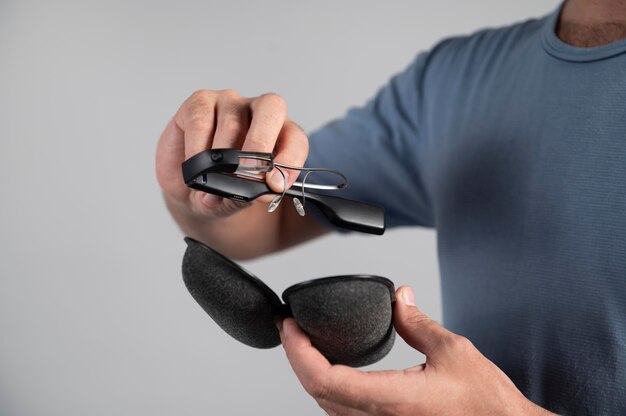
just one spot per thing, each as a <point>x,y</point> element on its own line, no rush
<point>348,318</point>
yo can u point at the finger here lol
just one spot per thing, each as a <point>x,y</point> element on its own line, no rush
<point>417,329</point>
<point>170,154</point>
<point>196,118</point>
<point>291,149</point>
<point>233,118</point>
<point>269,112</point>
<point>306,361</point>
<point>338,384</point>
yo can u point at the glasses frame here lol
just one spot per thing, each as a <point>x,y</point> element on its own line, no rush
<point>243,170</point>
<point>215,171</point>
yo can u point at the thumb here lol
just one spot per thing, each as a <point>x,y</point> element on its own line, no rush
<point>417,329</point>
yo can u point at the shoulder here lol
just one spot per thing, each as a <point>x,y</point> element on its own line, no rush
<point>491,41</point>
<point>470,58</point>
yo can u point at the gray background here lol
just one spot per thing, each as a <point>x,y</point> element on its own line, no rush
<point>94,318</point>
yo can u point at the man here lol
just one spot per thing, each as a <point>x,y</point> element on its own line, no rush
<point>512,143</point>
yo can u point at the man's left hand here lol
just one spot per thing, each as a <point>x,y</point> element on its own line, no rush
<point>456,378</point>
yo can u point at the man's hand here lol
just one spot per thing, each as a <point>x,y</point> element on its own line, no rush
<point>455,380</point>
<point>224,119</point>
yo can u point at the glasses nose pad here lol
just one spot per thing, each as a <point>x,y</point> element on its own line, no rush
<point>348,318</point>
<point>237,301</point>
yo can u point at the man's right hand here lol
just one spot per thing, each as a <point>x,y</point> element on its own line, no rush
<point>224,119</point>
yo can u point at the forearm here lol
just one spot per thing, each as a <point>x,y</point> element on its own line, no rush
<point>248,233</point>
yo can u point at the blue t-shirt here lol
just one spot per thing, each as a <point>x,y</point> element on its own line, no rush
<point>512,145</point>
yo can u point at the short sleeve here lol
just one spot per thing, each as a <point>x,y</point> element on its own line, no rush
<point>378,148</point>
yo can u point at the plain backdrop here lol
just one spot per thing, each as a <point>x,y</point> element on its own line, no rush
<point>94,317</point>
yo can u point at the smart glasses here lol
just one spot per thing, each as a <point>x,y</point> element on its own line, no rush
<point>240,175</point>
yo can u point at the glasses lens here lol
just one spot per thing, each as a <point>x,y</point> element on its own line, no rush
<point>254,165</point>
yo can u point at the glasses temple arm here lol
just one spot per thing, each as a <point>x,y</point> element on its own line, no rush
<point>342,212</point>
<point>346,213</point>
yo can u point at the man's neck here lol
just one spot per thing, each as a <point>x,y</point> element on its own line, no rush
<point>590,23</point>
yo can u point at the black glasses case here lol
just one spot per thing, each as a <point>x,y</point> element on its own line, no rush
<point>348,318</point>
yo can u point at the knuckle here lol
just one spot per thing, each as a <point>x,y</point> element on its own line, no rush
<point>197,113</point>
<point>230,94</point>
<point>457,344</point>
<point>463,344</point>
<point>201,97</point>
<point>275,101</point>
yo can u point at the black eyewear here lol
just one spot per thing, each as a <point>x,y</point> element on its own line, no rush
<point>239,175</point>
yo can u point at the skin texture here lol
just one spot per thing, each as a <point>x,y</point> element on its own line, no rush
<point>592,23</point>
<point>456,378</point>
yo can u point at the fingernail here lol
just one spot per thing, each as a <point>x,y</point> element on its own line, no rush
<point>211,200</point>
<point>408,297</point>
<point>277,182</point>
<point>278,321</point>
